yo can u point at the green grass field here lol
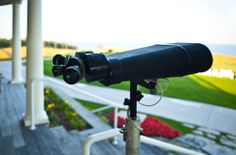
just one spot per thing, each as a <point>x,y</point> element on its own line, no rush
<point>209,90</point>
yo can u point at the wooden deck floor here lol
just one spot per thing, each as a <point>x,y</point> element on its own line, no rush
<point>15,139</point>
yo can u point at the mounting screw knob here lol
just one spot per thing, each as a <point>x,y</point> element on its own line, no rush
<point>127,101</point>
<point>139,96</point>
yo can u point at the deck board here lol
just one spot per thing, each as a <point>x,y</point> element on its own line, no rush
<point>51,140</point>
<point>66,142</point>
<point>21,151</point>
<point>30,141</point>
<point>6,146</point>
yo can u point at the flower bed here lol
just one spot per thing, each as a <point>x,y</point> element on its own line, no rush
<point>151,126</point>
<point>61,113</point>
<point>154,127</point>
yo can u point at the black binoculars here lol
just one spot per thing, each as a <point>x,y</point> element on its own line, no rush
<point>153,62</point>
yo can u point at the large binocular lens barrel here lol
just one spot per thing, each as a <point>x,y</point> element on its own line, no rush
<point>158,61</point>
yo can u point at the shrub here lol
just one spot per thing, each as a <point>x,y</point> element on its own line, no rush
<point>151,127</point>
<point>154,127</point>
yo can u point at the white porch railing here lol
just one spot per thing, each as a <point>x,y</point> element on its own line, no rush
<point>115,132</point>
<point>104,100</point>
<point>102,108</point>
<point>115,117</point>
<point>98,137</point>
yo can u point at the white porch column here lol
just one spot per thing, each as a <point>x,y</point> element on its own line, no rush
<point>35,65</point>
<point>16,45</point>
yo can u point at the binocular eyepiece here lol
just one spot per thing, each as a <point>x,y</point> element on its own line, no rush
<point>76,67</point>
<point>69,67</point>
<point>153,62</point>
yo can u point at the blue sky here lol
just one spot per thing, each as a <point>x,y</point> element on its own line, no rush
<point>107,22</point>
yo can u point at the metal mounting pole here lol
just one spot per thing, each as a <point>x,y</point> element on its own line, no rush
<point>132,133</point>
<point>132,136</point>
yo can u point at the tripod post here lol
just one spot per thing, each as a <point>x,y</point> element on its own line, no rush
<point>132,129</point>
<point>132,136</point>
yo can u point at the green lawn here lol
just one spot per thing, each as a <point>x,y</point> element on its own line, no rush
<point>215,91</point>
<point>210,90</point>
<point>48,67</point>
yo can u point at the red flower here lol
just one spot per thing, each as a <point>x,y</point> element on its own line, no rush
<point>151,126</point>
<point>154,127</point>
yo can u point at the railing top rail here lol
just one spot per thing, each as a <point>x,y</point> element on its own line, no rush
<point>107,101</point>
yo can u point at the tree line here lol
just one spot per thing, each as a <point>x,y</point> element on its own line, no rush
<point>8,43</point>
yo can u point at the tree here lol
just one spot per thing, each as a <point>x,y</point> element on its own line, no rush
<point>5,43</point>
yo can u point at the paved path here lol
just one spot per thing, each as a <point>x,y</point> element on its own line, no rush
<point>210,116</point>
